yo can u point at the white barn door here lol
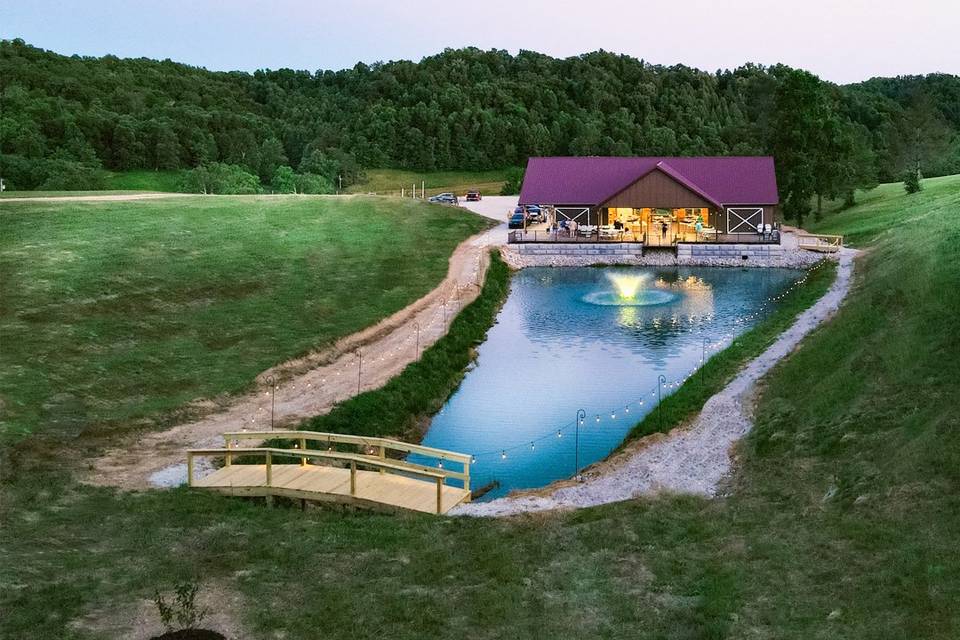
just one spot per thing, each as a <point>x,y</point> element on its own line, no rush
<point>744,219</point>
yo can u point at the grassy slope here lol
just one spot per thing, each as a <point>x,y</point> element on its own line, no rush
<point>390,181</point>
<point>117,311</point>
<point>887,210</point>
<point>864,408</point>
<point>145,180</point>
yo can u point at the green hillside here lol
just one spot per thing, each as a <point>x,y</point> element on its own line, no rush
<point>117,312</point>
<point>841,521</point>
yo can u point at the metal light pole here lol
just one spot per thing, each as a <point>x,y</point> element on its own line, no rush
<point>703,361</point>
<point>581,416</point>
<point>661,380</point>
<point>359,368</point>
<point>273,398</point>
<point>417,326</point>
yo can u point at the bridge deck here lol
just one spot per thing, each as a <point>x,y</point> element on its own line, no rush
<point>332,484</point>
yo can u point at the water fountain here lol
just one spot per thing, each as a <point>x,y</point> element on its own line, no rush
<point>629,291</point>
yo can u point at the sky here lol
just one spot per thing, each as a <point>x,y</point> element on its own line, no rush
<point>841,41</point>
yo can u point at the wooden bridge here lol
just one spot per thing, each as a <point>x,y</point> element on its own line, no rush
<point>819,242</point>
<point>324,472</point>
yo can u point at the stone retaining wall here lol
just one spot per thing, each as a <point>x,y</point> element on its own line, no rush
<point>744,252</point>
<point>560,254</point>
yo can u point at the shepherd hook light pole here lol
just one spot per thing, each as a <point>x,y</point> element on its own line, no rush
<point>359,368</point>
<point>581,415</point>
<point>703,361</point>
<point>661,380</point>
<point>273,398</point>
<point>417,325</point>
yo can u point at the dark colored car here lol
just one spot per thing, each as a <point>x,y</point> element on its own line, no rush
<point>473,196</point>
<point>535,213</point>
<point>445,198</point>
<point>517,221</point>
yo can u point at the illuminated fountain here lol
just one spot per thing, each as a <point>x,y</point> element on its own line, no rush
<point>629,291</point>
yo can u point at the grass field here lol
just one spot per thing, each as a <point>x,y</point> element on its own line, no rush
<point>145,180</point>
<point>120,312</point>
<point>841,522</point>
<point>390,181</point>
<point>57,194</point>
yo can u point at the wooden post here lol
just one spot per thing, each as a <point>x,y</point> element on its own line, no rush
<point>228,442</point>
<point>190,468</point>
<point>439,493</point>
<point>269,469</point>
<point>466,478</point>
<point>353,477</point>
<point>303,446</point>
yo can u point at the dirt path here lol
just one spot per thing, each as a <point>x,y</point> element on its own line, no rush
<point>308,386</point>
<point>690,459</point>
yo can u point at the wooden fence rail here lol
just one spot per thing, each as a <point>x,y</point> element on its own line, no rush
<point>323,473</point>
<point>370,448</point>
<point>819,242</point>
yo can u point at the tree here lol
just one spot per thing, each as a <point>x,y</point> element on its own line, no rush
<point>271,156</point>
<point>911,181</point>
<point>218,177</point>
<point>312,183</point>
<point>284,180</point>
<point>802,123</point>
<point>166,151</point>
<point>511,186</point>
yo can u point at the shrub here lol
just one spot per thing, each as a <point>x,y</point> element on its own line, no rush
<point>911,181</point>
<point>183,609</point>
<point>513,183</point>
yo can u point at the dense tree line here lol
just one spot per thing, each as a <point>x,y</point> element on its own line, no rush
<point>63,116</point>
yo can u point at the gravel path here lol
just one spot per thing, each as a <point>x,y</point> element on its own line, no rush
<point>308,386</point>
<point>692,459</point>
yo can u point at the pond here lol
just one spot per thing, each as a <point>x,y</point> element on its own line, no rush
<point>595,339</point>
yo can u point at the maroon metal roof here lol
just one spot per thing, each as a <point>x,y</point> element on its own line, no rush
<point>592,180</point>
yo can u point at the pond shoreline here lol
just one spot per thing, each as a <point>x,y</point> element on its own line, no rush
<point>692,458</point>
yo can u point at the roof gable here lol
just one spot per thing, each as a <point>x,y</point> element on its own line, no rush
<point>593,180</point>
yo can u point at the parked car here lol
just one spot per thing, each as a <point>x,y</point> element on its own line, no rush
<point>473,196</point>
<point>535,213</point>
<point>517,221</point>
<point>444,198</point>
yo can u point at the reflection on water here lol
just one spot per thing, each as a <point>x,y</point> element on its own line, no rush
<point>554,350</point>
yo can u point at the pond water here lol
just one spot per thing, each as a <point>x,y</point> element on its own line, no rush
<point>595,339</point>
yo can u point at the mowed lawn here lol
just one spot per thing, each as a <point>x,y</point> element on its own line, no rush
<point>117,313</point>
<point>841,522</point>
<point>391,181</point>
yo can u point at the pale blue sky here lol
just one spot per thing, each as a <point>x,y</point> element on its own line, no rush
<point>840,40</point>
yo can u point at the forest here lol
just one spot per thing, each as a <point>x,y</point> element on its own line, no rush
<point>64,119</point>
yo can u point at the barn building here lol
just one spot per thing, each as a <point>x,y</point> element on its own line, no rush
<point>656,200</point>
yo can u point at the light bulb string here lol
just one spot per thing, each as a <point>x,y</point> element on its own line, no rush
<point>553,433</point>
<point>438,312</point>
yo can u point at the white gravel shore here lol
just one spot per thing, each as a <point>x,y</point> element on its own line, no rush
<point>693,459</point>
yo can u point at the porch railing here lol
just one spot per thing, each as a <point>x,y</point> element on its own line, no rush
<point>521,236</point>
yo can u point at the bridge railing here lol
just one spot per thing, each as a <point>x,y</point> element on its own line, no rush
<point>371,448</point>
<point>355,460</point>
<point>819,242</point>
